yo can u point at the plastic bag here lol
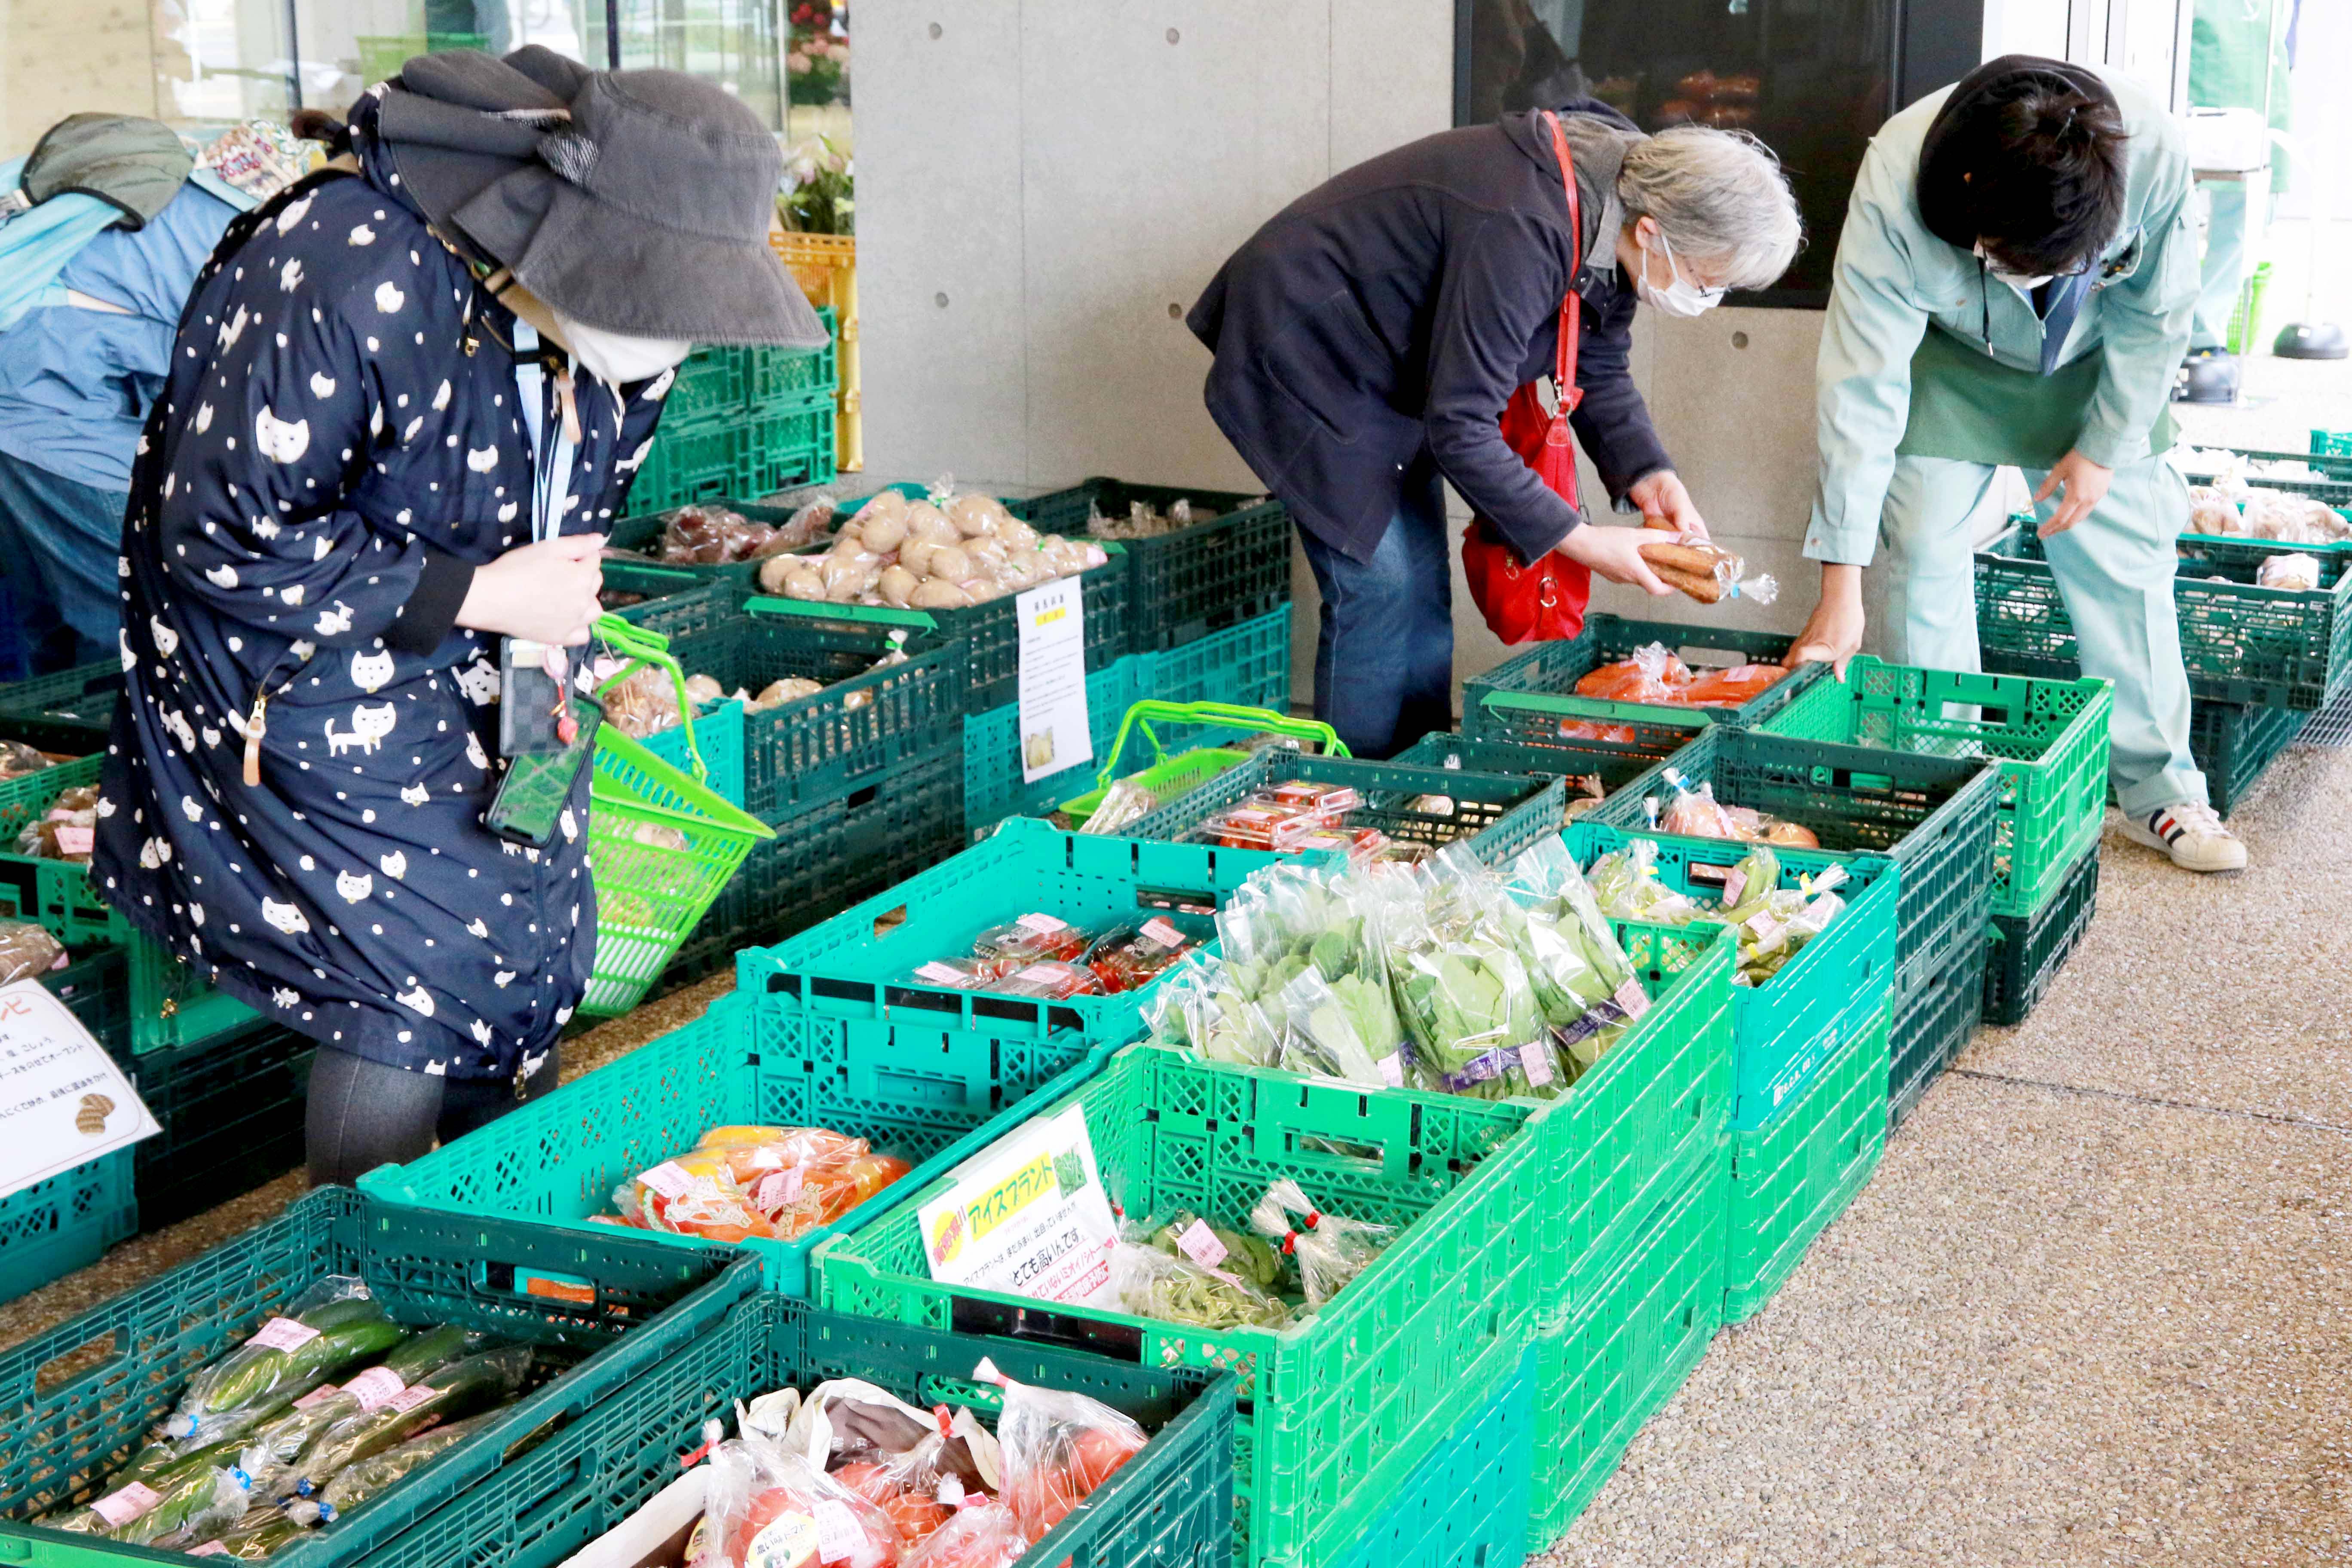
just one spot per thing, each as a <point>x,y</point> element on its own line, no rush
<point>25,950</point>
<point>1331,1250</point>
<point>847,1420</point>
<point>1151,1283</point>
<point>1731,687</point>
<point>643,702</point>
<point>1467,1002</point>
<point>1183,1234</point>
<point>1626,886</point>
<point>1652,675</point>
<point>17,759</point>
<point>1197,1010</point>
<point>2300,573</point>
<point>766,1507</point>
<point>1051,980</point>
<point>67,831</point>
<point>1128,958</point>
<point>1694,812</point>
<point>272,1453</point>
<point>1344,1029</point>
<point>192,1508</point>
<point>985,1535</point>
<point>776,1183</point>
<point>1125,801</point>
<point>1058,1447</point>
<point>335,1324</point>
<point>1031,938</point>
<point>1706,571</point>
<point>260,1533</point>
<point>361,1480</point>
<point>711,536</point>
<point>478,1383</point>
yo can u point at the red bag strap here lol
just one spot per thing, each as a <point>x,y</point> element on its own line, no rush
<point>1571,304</point>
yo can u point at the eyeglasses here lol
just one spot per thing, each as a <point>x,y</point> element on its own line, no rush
<point>1992,264</point>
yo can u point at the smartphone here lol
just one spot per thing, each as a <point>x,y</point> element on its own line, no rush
<point>527,698</point>
<point>538,785</point>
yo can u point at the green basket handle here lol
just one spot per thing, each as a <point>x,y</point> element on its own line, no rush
<point>1151,708</point>
<point>642,647</point>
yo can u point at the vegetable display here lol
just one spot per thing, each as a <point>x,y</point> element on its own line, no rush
<point>774,1183</point>
<point>272,1454</point>
<point>1773,921</point>
<point>945,552</point>
<point>334,1325</point>
<point>1654,676</point>
<point>1045,956</point>
<point>67,831</point>
<point>1144,521</point>
<point>1694,812</point>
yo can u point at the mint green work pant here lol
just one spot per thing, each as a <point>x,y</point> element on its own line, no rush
<point>2115,569</point>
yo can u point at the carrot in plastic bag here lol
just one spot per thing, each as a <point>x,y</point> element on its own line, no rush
<point>1730,688</point>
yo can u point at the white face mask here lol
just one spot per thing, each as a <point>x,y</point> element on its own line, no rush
<point>1679,296</point>
<point>616,358</point>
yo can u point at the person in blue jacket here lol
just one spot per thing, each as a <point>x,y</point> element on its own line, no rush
<point>1368,337</point>
<point>405,403</point>
<point>2014,286</point>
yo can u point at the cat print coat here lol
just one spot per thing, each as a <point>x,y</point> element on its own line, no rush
<point>335,430</point>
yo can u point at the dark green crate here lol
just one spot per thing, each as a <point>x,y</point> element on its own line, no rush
<point>1466,1506</point>
<point>82,698</point>
<point>781,449</point>
<point>2278,647</point>
<point>994,783</point>
<point>95,986</point>
<point>1169,1507</point>
<point>724,381</point>
<point>1933,1022</point>
<point>56,894</point>
<point>1570,760</point>
<point>1793,1175</point>
<point>599,1318</point>
<point>641,534</point>
<point>231,1109</point>
<point>991,635</point>
<point>64,1222</point>
<point>2234,745</point>
<point>2024,955</point>
<point>1532,699</point>
<point>1499,814</point>
<point>1934,816</point>
<point>1184,585</point>
<point>865,725</point>
<point>656,583</point>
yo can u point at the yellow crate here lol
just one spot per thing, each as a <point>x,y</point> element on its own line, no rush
<point>827,268</point>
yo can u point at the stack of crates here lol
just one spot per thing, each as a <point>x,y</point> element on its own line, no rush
<point>741,421</point>
<point>2050,737</point>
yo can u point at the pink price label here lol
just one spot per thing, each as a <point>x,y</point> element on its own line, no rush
<point>1766,930</point>
<point>838,1533</point>
<point>669,1178</point>
<point>1200,1244</point>
<point>283,1334</point>
<point>1733,885</point>
<point>376,1387</point>
<point>1044,925</point>
<point>1392,1071</point>
<point>74,840</point>
<point>1535,1063</point>
<point>1159,931</point>
<point>940,973</point>
<point>408,1399</point>
<point>318,1396</point>
<point>1631,999</point>
<point>778,1188</point>
<point>1045,974</point>
<point>119,1508</point>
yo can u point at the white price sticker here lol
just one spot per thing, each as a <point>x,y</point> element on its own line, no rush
<point>1536,1063</point>
<point>940,973</point>
<point>376,1387</point>
<point>778,1188</point>
<point>408,1399</point>
<point>1392,1070</point>
<point>1632,1000</point>
<point>669,1178</point>
<point>1159,931</point>
<point>839,1536</point>
<point>283,1334</point>
<point>1044,925</point>
<point>1200,1244</point>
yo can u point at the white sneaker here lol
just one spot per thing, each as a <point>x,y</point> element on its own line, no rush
<point>2192,834</point>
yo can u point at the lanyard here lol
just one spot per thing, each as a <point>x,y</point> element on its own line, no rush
<point>550,469</point>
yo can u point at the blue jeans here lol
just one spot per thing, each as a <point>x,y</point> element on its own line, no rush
<point>58,544</point>
<point>1384,657</point>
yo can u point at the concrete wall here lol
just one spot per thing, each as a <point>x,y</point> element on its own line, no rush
<point>63,57</point>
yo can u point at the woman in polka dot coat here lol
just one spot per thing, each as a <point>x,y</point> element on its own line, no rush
<point>332,524</point>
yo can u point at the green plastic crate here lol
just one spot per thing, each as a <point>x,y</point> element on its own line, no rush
<point>847,986</point>
<point>1466,1504</point>
<point>82,698</point>
<point>993,787</point>
<point>720,382</point>
<point>2333,444</point>
<point>553,1162</point>
<point>1793,1175</point>
<point>2279,647</point>
<point>1245,665</point>
<point>1169,1507</point>
<point>1341,1409</point>
<point>95,988</point>
<point>991,634</point>
<point>652,583</point>
<point>598,1322</point>
<point>2024,955</point>
<point>1933,1024</point>
<point>2233,746</point>
<point>1573,761</point>
<point>62,1224</point>
<point>1933,816</point>
<point>1606,1373</point>
<point>1497,815</point>
<point>1784,1030</point>
<point>1532,699</point>
<point>717,740</point>
<point>231,1109</point>
<point>1199,580</point>
<point>863,727</point>
<point>781,449</point>
<point>56,894</point>
<point>2049,735</point>
<point>169,1007</point>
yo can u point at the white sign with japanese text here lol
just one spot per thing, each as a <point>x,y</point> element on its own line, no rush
<point>63,1100</point>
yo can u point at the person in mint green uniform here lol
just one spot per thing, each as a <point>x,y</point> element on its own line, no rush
<point>2014,286</point>
<point>2236,60</point>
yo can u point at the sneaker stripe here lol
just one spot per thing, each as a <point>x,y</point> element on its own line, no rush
<point>2166,826</point>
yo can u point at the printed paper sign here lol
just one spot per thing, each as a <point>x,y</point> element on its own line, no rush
<point>63,1100</point>
<point>1052,707</point>
<point>1028,1217</point>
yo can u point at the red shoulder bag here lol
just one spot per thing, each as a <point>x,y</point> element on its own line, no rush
<point>1546,601</point>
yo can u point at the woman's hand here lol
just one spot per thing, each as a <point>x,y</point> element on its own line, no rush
<point>1667,504</point>
<point>1614,553</point>
<point>544,592</point>
<point>1834,635</point>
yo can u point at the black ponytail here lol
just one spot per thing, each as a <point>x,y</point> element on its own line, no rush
<point>318,125</point>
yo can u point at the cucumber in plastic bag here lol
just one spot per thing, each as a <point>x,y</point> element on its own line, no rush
<point>335,1324</point>
<point>271,1453</point>
<point>179,1511</point>
<point>259,1533</point>
<point>158,1466</point>
<point>366,1478</point>
<point>478,1383</point>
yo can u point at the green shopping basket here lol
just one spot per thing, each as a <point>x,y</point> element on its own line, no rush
<point>661,844</point>
<point>1168,777</point>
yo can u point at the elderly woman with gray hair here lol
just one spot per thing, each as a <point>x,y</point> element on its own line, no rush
<point>1368,337</point>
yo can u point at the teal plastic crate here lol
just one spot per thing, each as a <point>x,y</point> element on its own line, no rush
<point>1466,1505</point>
<point>782,448</point>
<point>55,894</point>
<point>1793,1175</point>
<point>79,700</point>
<point>64,1222</point>
<point>1170,1506</point>
<point>2024,956</point>
<point>1532,699</point>
<point>1573,762</point>
<point>1617,1363</point>
<point>1497,814</point>
<point>231,1109</point>
<point>1340,1411</point>
<point>718,738</point>
<point>719,382</point>
<point>1934,817</point>
<point>1246,666</point>
<point>85,1394</point>
<point>1194,582</point>
<point>993,787</point>
<point>1932,1025</point>
<point>170,1006</point>
<point>2050,737</point>
<point>2234,745</point>
<point>553,1164</point>
<point>1784,1030</point>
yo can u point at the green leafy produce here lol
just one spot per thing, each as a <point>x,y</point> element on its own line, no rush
<point>1249,1257</point>
<point>334,1325</point>
<point>1330,1249</point>
<point>1344,1029</point>
<point>1150,1283</point>
<point>475,1384</point>
<point>1469,1007</point>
